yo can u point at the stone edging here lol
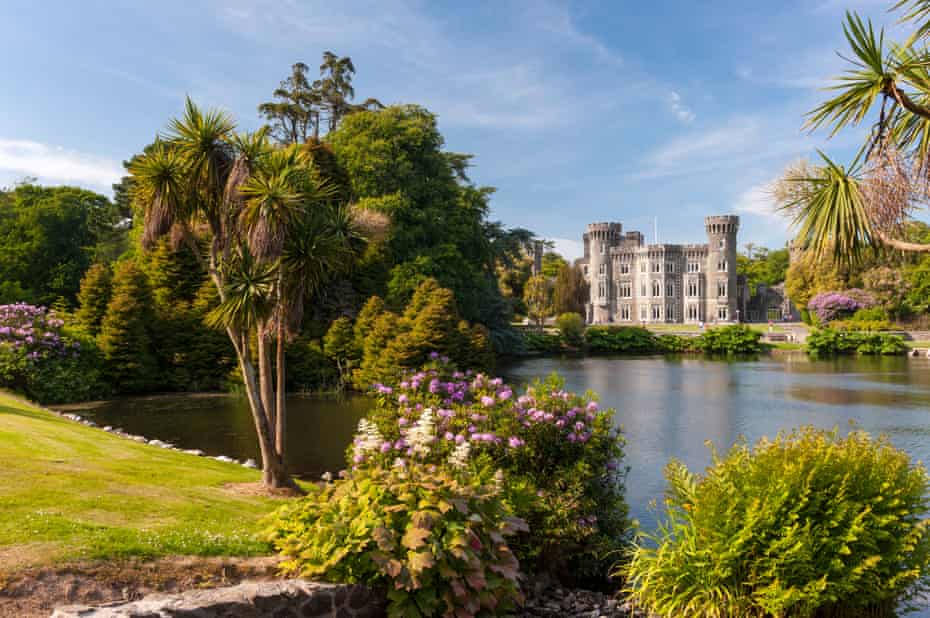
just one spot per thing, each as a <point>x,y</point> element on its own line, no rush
<point>281,599</point>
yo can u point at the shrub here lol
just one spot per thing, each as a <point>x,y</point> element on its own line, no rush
<point>541,343</point>
<point>560,454</point>
<point>434,535</point>
<point>808,523</point>
<point>735,339</point>
<point>41,360</point>
<point>828,306</point>
<point>829,342</point>
<point>571,327</point>
<point>676,344</point>
<point>620,340</point>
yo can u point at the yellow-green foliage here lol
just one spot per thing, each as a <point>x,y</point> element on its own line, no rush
<point>810,523</point>
<point>436,536</point>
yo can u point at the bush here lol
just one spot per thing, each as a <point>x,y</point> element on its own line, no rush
<point>830,342</point>
<point>541,343</point>
<point>676,344</point>
<point>828,306</point>
<point>571,327</point>
<point>40,359</point>
<point>810,523</point>
<point>735,339</point>
<point>435,536</point>
<point>560,454</point>
<point>620,340</point>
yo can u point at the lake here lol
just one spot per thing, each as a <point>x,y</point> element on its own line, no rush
<point>668,408</point>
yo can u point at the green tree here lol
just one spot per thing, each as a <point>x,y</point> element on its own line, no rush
<point>570,291</point>
<point>552,263</point>
<point>844,210</point>
<point>537,296</point>
<point>124,337</point>
<point>888,286</point>
<point>294,114</point>
<point>339,346</point>
<point>94,297</point>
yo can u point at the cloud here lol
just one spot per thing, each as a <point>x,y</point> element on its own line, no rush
<point>50,163</point>
<point>568,248</point>
<point>681,112</point>
<point>757,200</point>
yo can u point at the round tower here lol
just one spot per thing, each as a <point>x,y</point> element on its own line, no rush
<point>601,237</point>
<point>722,303</point>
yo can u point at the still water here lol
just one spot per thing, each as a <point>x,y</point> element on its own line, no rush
<point>667,407</point>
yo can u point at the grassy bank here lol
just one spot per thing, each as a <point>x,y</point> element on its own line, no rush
<point>69,492</point>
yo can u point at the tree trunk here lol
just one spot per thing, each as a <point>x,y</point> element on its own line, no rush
<point>274,472</point>
<point>265,378</point>
<point>281,394</point>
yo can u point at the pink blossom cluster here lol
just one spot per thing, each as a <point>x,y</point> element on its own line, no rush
<point>34,331</point>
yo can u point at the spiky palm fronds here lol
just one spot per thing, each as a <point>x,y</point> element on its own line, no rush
<point>831,212</point>
<point>862,84</point>
<point>160,190</point>
<point>271,205</point>
<point>204,140</point>
<point>918,11</point>
<point>248,293</point>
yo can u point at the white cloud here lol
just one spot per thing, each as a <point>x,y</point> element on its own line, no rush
<point>568,248</point>
<point>757,200</point>
<point>683,113</point>
<point>49,163</point>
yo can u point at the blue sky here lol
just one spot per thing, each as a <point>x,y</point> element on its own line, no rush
<point>576,112</point>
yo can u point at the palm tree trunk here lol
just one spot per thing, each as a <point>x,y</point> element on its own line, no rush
<point>274,472</point>
<point>265,384</point>
<point>281,393</point>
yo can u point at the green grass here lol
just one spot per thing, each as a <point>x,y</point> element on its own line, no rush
<point>69,492</point>
<point>917,344</point>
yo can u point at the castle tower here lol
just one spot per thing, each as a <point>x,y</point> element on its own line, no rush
<point>599,239</point>
<point>722,304</point>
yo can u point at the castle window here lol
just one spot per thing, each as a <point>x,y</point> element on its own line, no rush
<point>625,312</point>
<point>656,267</point>
<point>624,269</point>
<point>692,312</point>
<point>602,269</point>
<point>656,288</point>
<point>656,312</point>
<point>670,289</point>
<point>692,288</point>
<point>670,312</point>
<point>694,267</point>
<point>642,267</point>
<point>603,248</point>
<point>721,288</point>
<point>722,266</point>
<point>721,313</point>
<point>642,289</point>
<point>723,243</point>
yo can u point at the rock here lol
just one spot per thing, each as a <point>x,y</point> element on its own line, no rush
<point>194,451</point>
<point>250,463</point>
<point>108,428</point>
<point>247,600</point>
<point>224,459</point>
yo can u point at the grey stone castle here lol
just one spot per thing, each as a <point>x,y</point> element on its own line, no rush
<point>632,282</point>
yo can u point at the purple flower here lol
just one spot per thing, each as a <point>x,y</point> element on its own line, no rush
<point>449,436</point>
<point>402,399</point>
<point>592,406</point>
<point>515,442</point>
<point>504,395</point>
<point>486,401</point>
<point>386,446</point>
<point>434,355</point>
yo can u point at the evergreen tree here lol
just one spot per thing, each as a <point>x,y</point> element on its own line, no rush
<point>93,298</point>
<point>374,366</point>
<point>429,325</point>
<point>339,345</point>
<point>124,333</point>
<point>537,296</point>
<point>365,321</point>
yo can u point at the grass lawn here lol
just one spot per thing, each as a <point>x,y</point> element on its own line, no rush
<point>70,492</point>
<point>917,344</point>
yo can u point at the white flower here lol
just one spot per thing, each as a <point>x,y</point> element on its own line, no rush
<point>459,457</point>
<point>327,476</point>
<point>368,438</point>
<point>422,434</point>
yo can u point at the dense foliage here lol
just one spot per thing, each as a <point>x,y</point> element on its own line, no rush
<point>435,536</point>
<point>541,342</point>
<point>383,343</point>
<point>49,237</point>
<point>41,359</point>
<point>570,290</point>
<point>560,454</point>
<point>620,340</point>
<point>809,522</point>
<point>830,341</point>
<point>762,266</point>
<point>571,328</point>
<point>733,339</point>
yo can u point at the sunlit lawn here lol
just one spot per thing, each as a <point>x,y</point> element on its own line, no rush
<point>72,492</point>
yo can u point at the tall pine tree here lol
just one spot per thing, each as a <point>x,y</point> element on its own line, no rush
<point>124,333</point>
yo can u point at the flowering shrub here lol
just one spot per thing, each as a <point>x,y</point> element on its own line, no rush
<point>434,535</point>
<point>39,359</point>
<point>829,306</point>
<point>808,524</point>
<point>560,454</point>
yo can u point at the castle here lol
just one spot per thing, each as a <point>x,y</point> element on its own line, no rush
<point>632,282</point>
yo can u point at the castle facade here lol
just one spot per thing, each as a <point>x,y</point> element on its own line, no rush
<point>632,282</point>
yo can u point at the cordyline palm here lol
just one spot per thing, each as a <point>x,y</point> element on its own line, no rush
<point>840,209</point>
<point>195,175</point>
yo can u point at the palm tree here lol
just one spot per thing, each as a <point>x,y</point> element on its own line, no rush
<point>842,210</point>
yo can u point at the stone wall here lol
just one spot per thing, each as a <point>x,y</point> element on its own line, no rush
<point>275,599</point>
